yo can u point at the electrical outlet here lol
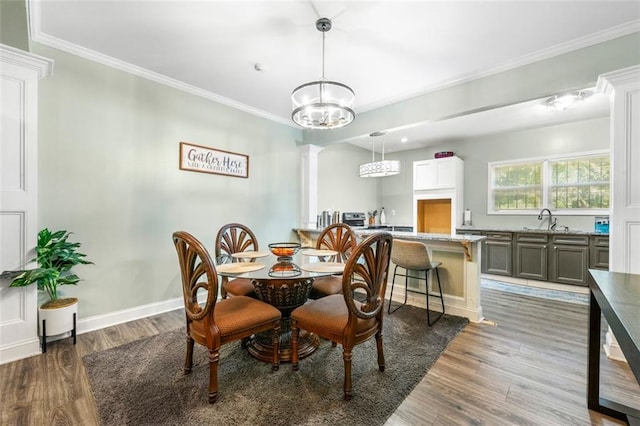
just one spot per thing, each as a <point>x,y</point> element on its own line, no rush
<point>393,212</point>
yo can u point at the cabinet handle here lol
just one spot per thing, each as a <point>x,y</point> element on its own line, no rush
<point>555,247</point>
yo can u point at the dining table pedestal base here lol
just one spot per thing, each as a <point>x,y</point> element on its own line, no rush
<point>260,344</point>
<point>286,295</point>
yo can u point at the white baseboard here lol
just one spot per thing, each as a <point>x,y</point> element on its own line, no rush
<point>419,300</point>
<point>98,322</point>
<point>20,350</point>
<point>539,284</point>
<point>612,348</point>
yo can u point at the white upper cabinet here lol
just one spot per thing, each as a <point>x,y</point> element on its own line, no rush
<point>439,173</point>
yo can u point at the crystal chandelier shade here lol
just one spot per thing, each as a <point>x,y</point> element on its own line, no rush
<point>379,168</point>
<point>323,104</point>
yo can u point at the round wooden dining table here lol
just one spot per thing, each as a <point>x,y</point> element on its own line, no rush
<point>285,285</point>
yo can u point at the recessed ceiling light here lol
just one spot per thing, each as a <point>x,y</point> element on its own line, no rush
<point>404,140</point>
<point>564,101</point>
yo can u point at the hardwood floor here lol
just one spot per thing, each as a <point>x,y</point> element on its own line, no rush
<point>528,369</point>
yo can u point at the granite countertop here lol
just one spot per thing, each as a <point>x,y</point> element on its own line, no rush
<point>424,236</point>
<point>363,232</point>
<point>525,230</point>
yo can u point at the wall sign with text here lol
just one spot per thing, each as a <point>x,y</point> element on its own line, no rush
<point>202,159</point>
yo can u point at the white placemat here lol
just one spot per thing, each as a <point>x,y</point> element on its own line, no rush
<point>250,254</point>
<point>333,267</point>
<point>316,252</point>
<point>239,268</point>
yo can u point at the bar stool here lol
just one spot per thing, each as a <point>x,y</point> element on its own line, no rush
<point>413,256</point>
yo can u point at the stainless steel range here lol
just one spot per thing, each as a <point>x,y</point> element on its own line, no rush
<point>353,218</point>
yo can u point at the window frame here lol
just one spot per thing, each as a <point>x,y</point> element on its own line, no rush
<point>546,174</point>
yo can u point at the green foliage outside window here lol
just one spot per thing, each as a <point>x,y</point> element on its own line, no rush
<point>580,182</point>
<point>518,186</point>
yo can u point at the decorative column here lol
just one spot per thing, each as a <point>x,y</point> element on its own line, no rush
<point>309,185</point>
<point>623,88</point>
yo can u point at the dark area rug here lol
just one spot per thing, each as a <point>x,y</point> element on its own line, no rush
<point>142,382</point>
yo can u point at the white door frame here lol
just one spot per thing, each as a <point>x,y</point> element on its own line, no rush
<point>19,75</point>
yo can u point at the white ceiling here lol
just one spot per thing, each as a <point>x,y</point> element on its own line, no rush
<point>385,50</point>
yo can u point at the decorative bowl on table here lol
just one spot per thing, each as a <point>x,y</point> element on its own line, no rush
<point>284,251</point>
<point>284,270</point>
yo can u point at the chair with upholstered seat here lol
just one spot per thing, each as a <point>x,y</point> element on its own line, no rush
<point>341,238</point>
<point>414,256</point>
<point>213,323</point>
<point>354,316</point>
<point>235,238</point>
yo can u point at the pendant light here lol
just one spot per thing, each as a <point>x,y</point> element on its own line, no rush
<point>323,104</point>
<point>379,168</point>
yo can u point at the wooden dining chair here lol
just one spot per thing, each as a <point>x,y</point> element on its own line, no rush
<point>235,238</point>
<point>213,323</point>
<point>344,319</point>
<point>341,238</point>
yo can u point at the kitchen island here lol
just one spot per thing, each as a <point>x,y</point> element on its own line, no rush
<point>459,274</point>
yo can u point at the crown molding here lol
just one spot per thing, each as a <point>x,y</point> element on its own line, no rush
<point>41,65</point>
<point>541,55</point>
<point>34,16</point>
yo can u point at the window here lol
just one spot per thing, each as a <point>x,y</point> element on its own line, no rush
<point>579,183</point>
<point>575,184</point>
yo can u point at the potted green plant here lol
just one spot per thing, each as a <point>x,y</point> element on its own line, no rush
<point>55,257</point>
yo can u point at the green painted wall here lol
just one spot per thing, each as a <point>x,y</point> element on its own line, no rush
<point>108,171</point>
<point>339,187</point>
<point>13,24</point>
<point>108,161</point>
<point>396,192</point>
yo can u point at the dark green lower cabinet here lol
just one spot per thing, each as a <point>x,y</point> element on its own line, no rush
<point>497,254</point>
<point>569,264</point>
<point>531,261</point>
<point>556,257</point>
<point>530,257</point>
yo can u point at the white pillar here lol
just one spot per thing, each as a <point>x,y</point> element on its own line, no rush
<point>623,88</point>
<point>309,185</point>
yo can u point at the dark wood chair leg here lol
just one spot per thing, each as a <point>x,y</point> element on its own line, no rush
<point>347,355</point>
<point>214,357</point>
<point>381,364</point>
<point>188,362</point>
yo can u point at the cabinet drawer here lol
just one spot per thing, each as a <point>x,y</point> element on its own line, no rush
<point>600,241</point>
<point>571,240</point>
<point>532,238</point>
<point>499,236</point>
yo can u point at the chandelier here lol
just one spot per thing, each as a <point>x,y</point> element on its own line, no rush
<point>323,104</point>
<point>379,168</point>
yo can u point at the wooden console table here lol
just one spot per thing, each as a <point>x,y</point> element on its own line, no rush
<point>616,296</point>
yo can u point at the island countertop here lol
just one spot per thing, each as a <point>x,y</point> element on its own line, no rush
<point>460,256</point>
<point>408,235</point>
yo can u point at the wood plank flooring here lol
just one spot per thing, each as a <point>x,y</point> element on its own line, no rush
<point>529,369</point>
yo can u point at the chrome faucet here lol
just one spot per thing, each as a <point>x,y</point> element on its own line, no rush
<point>552,221</point>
